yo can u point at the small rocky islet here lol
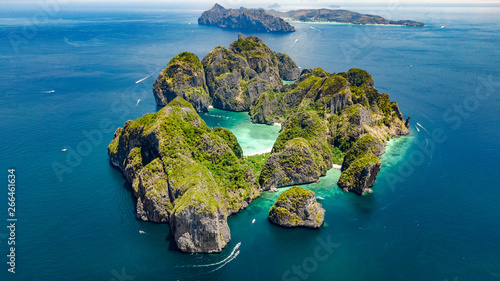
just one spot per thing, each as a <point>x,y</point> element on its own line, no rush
<point>193,177</point>
<point>297,207</point>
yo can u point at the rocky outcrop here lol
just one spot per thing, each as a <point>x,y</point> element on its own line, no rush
<point>300,154</point>
<point>342,16</point>
<point>237,76</point>
<point>360,175</point>
<point>297,207</point>
<point>328,93</point>
<point>288,69</point>
<point>361,148</point>
<point>352,118</point>
<point>245,19</point>
<point>184,173</point>
<point>183,77</point>
<point>229,79</point>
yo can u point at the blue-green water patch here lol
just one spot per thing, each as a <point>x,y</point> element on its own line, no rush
<point>253,138</point>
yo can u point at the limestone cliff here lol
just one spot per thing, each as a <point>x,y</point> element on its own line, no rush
<point>300,155</point>
<point>297,207</point>
<point>237,76</point>
<point>349,116</point>
<point>244,19</point>
<point>184,173</point>
<point>184,77</point>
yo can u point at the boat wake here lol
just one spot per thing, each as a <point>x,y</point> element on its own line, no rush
<point>293,44</point>
<point>217,116</point>
<point>222,265</point>
<point>229,258</point>
<point>423,128</point>
<point>139,81</point>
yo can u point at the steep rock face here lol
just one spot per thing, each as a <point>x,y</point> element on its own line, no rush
<point>314,89</point>
<point>287,67</point>
<point>300,154</point>
<point>361,148</point>
<point>237,76</point>
<point>184,173</point>
<point>184,77</point>
<point>247,19</point>
<point>356,120</point>
<point>297,207</point>
<point>360,175</point>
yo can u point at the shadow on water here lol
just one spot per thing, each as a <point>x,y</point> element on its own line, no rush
<point>364,205</point>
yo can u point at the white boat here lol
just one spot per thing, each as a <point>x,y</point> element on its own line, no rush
<point>320,198</point>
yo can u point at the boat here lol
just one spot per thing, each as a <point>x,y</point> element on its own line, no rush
<point>320,198</point>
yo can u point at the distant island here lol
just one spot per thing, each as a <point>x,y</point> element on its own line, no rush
<point>340,16</point>
<point>274,6</point>
<point>244,19</point>
<point>193,177</point>
<point>272,21</point>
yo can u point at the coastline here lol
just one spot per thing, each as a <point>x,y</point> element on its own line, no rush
<point>340,23</point>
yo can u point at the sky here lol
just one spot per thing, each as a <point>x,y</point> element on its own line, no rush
<point>26,5</point>
<point>266,3</point>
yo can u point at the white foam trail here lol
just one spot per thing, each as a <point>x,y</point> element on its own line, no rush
<point>216,263</point>
<point>47,92</point>
<point>418,130</point>
<point>139,81</point>
<point>71,43</point>
<point>293,44</point>
<point>138,102</point>
<point>422,127</point>
<point>222,265</point>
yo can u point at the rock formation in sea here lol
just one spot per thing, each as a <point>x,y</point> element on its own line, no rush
<point>193,177</point>
<point>184,77</point>
<point>297,207</point>
<point>320,112</point>
<point>244,19</point>
<point>237,76</point>
<point>184,173</point>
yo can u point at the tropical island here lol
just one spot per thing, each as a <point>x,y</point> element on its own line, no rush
<point>244,19</point>
<point>274,21</point>
<point>339,16</point>
<point>193,177</point>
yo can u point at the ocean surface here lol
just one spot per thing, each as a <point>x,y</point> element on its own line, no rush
<point>70,78</point>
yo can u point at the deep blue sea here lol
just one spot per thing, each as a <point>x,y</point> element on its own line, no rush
<point>70,76</point>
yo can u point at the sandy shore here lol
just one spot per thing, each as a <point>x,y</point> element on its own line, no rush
<point>259,152</point>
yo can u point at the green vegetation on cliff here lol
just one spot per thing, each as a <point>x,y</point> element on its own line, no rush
<point>177,164</point>
<point>256,162</point>
<point>297,207</point>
